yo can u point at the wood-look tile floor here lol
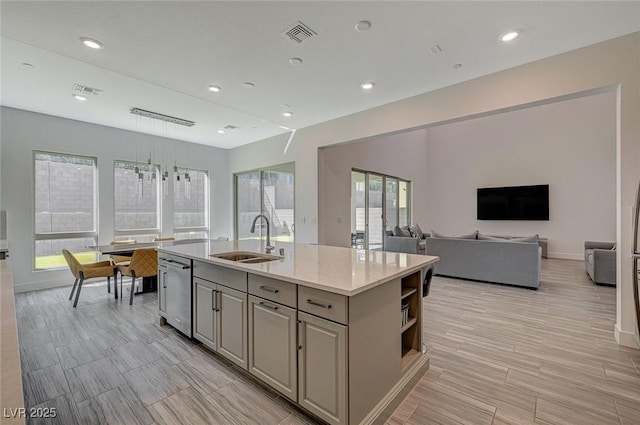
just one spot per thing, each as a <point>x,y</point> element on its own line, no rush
<point>499,355</point>
<point>508,356</point>
<point>106,362</point>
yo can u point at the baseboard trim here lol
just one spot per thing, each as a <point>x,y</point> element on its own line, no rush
<point>627,339</point>
<point>49,284</point>
<point>565,256</point>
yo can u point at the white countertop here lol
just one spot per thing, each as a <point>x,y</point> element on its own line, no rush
<point>343,271</point>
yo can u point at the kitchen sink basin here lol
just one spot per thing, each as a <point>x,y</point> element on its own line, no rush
<point>245,257</point>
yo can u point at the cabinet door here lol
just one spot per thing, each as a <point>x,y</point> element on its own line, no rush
<point>322,368</point>
<point>162,291</point>
<point>204,304</point>
<point>232,326</point>
<point>272,345</point>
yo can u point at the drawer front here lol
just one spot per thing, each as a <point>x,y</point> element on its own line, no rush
<point>322,303</point>
<point>221,275</point>
<point>272,289</point>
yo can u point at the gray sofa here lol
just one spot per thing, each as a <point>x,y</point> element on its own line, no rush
<point>600,262</point>
<point>508,262</point>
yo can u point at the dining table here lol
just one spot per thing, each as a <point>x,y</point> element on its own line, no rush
<point>149,284</point>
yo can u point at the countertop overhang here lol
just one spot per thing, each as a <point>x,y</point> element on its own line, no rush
<point>344,271</point>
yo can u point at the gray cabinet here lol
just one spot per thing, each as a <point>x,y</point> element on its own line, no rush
<point>220,312</point>
<point>272,345</point>
<point>232,325</point>
<point>322,368</point>
<point>204,306</point>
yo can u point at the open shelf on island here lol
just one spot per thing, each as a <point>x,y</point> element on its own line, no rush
<point>412,321</point>
<point>410,297</point>
<point>407,292</point>
<point>408,357</point>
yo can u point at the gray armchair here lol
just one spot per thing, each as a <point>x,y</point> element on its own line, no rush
<point>600,262</point>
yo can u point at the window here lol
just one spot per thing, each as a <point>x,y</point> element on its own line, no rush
<point>136,201</point>
<point>65,208</point>
<point>269,192</point>
<point>190,205</point>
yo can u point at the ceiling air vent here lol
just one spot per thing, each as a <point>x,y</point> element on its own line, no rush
<point>84,90</point>
<point>230,127</point>
<point>299,32</point>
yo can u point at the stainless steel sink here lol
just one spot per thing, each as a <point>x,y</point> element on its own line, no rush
<point>246,257</point>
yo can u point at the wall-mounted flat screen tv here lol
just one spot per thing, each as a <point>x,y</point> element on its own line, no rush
<point>514,203</point>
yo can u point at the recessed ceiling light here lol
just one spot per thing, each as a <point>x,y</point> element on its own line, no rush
<point>367,86</point>
<point>295,61</point>
<point>363,26</point>
<point>248,85</point>
<point>221,131</point>
<point>457,66</point>
<point>287,113</point>
<point>91,42</point>
<point>510,36</point>
<point>79,97</point>
<point>27,64</point>
<point>214,89</point>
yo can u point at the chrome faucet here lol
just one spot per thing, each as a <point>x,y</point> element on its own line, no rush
<point>269,247</point>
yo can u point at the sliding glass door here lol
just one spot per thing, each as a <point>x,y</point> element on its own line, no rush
<point>270,192</point>
<point>378,203</point>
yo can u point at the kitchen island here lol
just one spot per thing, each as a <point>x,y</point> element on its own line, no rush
<point>338,331</point>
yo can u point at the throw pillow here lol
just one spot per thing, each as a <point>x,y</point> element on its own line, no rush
<point>473,235</point>
<point>482,237</point>
<point>418,231</point>
<point>534,238</point>
<point>412,232</point>
<point>435,234</point>
<point>440,235</point>
<point>401,231</point>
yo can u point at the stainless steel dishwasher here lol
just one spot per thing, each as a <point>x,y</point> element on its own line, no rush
<point>174,292</point>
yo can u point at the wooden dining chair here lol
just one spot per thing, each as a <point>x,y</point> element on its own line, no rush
<point>144,263</point>
<point>86,271</point>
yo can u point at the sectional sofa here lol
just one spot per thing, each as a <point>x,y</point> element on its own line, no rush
<point>507,261</point>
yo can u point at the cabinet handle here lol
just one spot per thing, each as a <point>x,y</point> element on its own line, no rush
<point>269,289</point>
<point>272,307</point>
<point>218,302</point>
<point>298,324</point>
<point>316,303</point>
<point>164,279</point>
<point>214,302</point>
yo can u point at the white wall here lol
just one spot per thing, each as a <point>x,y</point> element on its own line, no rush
<point>403,155</point>
<point>613,64</point>
<point>23,132</point>
<point>570,145</point>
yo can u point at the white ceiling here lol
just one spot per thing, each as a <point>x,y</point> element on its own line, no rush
<point>162,56</point>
